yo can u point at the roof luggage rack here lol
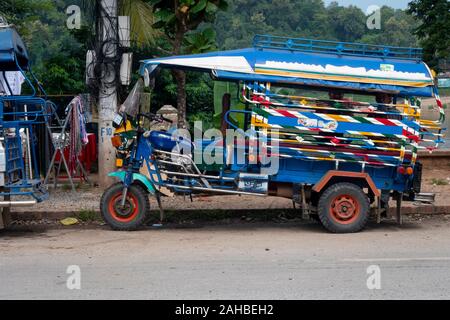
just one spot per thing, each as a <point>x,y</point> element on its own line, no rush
<point>334,47</point>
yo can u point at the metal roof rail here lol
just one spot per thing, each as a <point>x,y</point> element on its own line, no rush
<point>335,47</point>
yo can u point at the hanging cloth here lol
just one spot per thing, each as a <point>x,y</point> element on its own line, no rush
<point>78,135</point>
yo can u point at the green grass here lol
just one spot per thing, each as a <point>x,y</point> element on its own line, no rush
<point>78,186</point>
<point>87,215</point>
<point>439,182</point>
<point>66,187</point>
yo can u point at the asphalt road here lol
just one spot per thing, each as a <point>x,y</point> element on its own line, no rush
<point>237,261</point>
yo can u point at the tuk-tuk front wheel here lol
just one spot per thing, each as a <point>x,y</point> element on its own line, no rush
<point>129,216</point>
<point>343,208</point>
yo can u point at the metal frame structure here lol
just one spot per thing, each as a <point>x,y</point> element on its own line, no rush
<point>60,142</point>
<point>320,46</point>
<point>20,115</point>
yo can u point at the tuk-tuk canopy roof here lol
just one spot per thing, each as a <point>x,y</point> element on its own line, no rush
<point>12,49</point>
<point>313,63</point>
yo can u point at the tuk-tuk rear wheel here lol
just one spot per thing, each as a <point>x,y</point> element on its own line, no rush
<point>130,216</point>
<point>343,208</point>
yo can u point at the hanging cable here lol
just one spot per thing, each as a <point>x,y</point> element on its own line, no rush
<point>108,54</point>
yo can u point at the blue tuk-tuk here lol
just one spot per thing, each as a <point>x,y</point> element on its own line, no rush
<point>20,117</point>
<point>339,159</point>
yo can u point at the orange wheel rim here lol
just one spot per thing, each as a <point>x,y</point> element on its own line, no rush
<point>125,213</point>
<point>344,209</point>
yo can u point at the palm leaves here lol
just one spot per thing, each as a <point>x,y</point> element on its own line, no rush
<point>200,42</point>
<point>141,17</point>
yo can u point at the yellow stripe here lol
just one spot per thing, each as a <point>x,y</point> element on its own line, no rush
<point>429,122</point>
<point>342,78</point>
<point>367,133</point>
<point>337,117</point>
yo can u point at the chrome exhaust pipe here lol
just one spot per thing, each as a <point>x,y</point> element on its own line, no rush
<point>425,197</point>
<point>24,203</point>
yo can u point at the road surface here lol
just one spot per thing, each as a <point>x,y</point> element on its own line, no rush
<point>236,261</point>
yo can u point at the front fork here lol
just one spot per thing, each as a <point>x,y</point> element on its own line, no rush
<point>127,181</point>
<point>124,196</point>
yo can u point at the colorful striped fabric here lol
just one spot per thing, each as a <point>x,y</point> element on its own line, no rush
<point>317,129</point>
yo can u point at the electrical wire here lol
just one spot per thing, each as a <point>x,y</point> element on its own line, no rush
<point>107,55</point>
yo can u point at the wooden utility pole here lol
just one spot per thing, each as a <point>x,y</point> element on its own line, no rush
<point>108,35</point>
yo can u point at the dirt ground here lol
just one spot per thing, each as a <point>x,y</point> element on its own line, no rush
<point>437,180</point>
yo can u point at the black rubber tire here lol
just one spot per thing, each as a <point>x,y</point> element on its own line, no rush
<point>143,207</point>
<point>325,202</point>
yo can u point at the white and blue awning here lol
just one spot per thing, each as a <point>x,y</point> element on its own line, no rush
<point>317,63</point>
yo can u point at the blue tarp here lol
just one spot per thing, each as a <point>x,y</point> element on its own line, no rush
<point>402,76</point>
<point>12,50</point>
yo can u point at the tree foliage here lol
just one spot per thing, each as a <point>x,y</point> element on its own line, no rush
<point>169,27</point>
<point>179,20</point>
<point>57,54</point>
<point>310,19</point>
<point>434,28</point>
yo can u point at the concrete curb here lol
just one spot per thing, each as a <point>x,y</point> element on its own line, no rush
<point>425,210</point>
<point>435,154</point>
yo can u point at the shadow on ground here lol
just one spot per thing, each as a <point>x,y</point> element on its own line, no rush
<point>218,219</point>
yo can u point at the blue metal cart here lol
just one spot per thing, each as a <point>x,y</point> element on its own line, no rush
<point>20,117</point>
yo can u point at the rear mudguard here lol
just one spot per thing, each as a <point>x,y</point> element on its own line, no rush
<point>136,177</point>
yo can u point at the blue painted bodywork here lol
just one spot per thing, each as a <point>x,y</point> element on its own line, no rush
<point>299,170</point>
<point>164,141</point>
<point>293,170</point>
<point>12,50</point>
